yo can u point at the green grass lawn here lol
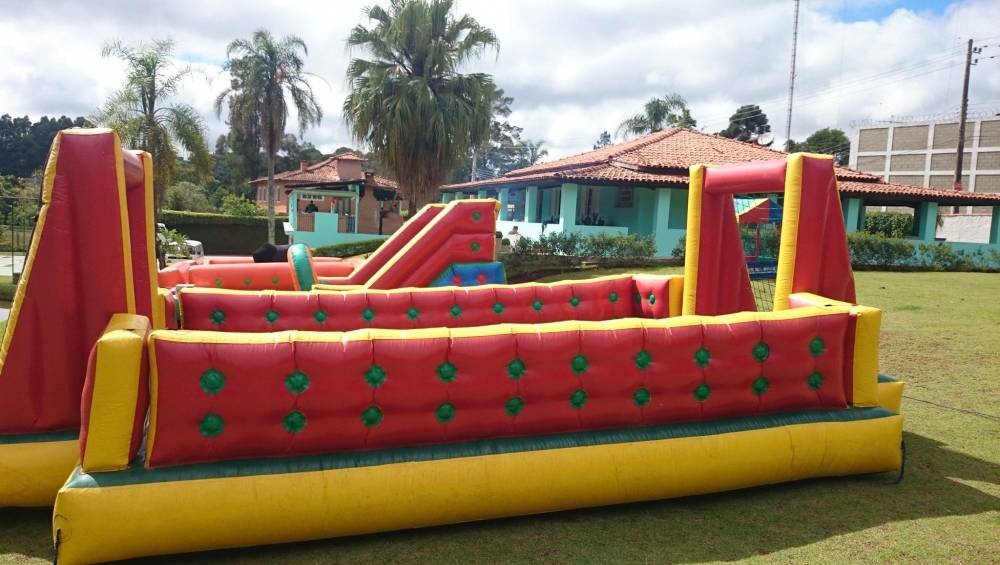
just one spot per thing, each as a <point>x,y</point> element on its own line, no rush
<point>941,334</point>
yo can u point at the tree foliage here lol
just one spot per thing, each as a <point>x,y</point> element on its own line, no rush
<point>185,195</point>
<point>24,145</point>
<point>603,140</point>
<point>658,114</point>
<point>139,113</point>
<point>233,205</point>
<point>265,74</point>
<point>830,141</point>
<point>504,151</point>
<point>748,122</point>
<point>408,102</point>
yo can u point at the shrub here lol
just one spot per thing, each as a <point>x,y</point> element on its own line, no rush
<point>879,251</point>
<point>188,196</point>
<point>889,224</point>
<point>348,249</point>
<point>679,249</point>
<point>233,205</point>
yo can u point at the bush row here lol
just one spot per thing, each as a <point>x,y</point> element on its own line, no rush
<point>877,251</point>
<point>596,246</point>
<point>348,249</point>
<point>868,250</point>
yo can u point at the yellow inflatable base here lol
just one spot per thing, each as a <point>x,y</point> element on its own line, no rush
<point>133,520</point>
<point>32,472</point>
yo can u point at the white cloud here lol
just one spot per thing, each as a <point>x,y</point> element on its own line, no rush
<point>575,68</point>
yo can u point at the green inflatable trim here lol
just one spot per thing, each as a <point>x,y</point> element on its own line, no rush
<point>299,255</point>
<point>887,379</point>
<point>63,435</point>
<point>137,474</point>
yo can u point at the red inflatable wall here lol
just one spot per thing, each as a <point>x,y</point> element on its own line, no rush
<point>287,394</point>
<point>74,279</point>
<point>600,299</point>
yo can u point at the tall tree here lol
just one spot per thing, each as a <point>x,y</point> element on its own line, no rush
<point>603,140</point>
<point>142,118</point>
<point>748,121</point>
<point>264,71</point>
<point>504,151</point>
<point>831,141</point>
<point>24,145</point>
<point>658,114</point>
<point>409,103</point>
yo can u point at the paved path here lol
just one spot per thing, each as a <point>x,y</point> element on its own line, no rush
<point>6,261</point>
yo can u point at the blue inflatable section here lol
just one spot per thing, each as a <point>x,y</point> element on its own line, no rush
<point>471,274</point>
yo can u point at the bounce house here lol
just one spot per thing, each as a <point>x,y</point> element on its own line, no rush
<point>213,417</point>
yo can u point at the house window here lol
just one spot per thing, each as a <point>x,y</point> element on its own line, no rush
<point>624,197</point>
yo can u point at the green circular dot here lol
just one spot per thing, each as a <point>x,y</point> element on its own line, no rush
<point>702,392</point>
<point>320,316</point>
<point>578,398</point>
<point>701,357</point>
<point>816,346</point>
<point>515,369</point>
<point>637,298</point>
<point>297,382</point>
<point>218,316</point>
<point>211,425</point>
<point>651,298</point>
<point>761,351</point>
<point>815,381</point>
<point>217,282</point>
<point>368,314</point>
<point>641,397</point>
<point>514,406</point>
<point>447,372</point>
<point>294,422</point>
<point>643,359</point>
<point>579,364</point>
<point>271,316</point>
<point>247,282</point>
<point>574,301</point>
<point>275,280</point>
<point>759,386</point>
<point>371,417</point>
<point>474,246</point>
<point>375,376</point>
<point>476,216</point>
<point>212,381</point>
<point>536,305</point>
<point>613,297</point>
<point>498,308</point>
<point>446,412</point>
<point>455,311</point>
<point>412,313</point>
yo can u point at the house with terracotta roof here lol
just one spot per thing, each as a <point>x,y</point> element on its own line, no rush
<point>641,187</point>
<point>334,201</point>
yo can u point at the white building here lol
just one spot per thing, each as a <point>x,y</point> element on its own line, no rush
<point>923,154</point>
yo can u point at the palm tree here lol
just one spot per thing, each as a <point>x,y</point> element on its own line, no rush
<point>263,72</point>
<point>657,115</point>
<point>409,103</point>
<point>138,114</point>
<point>534,151</point>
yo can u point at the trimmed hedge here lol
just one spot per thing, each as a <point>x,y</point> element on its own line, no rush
<point>889,224</point>
<point>224,235</point>
<point>348,249</point>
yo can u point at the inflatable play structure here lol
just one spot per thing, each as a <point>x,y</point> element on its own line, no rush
<point>212,417</point>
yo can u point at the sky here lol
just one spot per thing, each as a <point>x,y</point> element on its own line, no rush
<point>574,67</point>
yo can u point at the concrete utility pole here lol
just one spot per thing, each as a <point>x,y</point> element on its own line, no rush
<point>961,118</point>
<point>791,79</point>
